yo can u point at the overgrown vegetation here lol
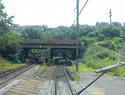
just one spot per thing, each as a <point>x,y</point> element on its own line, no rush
<point>102,47</point>
<point>6,65</point>
<point>82,67</point>
<point>42,67</point>
<point>105,52</point>
<point>10,47</point>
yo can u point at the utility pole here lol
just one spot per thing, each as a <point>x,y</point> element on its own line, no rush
<point>0,10</point>
<point>77,35</point>
<point>110,15</point>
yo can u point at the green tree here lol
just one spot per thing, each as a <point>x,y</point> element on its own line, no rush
<point>116,24</point>
<point>108,32</point>
<point>5,21</point>
<point>10,47</point>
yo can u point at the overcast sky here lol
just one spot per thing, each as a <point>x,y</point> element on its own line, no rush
<point>60,12</point>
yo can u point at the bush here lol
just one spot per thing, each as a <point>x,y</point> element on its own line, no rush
<point>105,53</point>
<point>82,67</point>
<point>101,37</point>
<point>92,34</point>
<point>114,44</point>
<point>6,65</point>
<point>108,32</point>
<point>10,47</point>
<point>107,44</point>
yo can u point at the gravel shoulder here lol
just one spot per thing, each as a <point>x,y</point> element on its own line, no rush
<point>29,74</point>
<point>108,85</point>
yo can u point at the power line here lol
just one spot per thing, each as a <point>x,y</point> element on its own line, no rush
<point>83,7</point>
<point>80,10</point>
<point>74,10</point>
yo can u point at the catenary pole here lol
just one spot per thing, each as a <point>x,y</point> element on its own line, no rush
<point>77,34</point>
<point>110,16</point>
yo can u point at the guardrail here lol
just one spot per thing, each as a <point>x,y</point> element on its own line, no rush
<point>110,67</point>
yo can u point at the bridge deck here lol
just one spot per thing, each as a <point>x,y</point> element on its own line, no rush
<point>37,43</point>
<point>48,41</point>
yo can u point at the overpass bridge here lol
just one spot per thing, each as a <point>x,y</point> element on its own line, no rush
<point>45,44</point>
<point>48,44</point>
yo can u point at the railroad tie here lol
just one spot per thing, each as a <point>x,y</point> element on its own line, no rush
<point>25,87</point>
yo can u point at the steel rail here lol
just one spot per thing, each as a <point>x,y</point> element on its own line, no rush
<point>14,75</point>
<point>5,73</point>
<point>71,90</point>
<point>55,87</point>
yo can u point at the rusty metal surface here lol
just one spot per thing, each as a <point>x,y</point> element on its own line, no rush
<point>48,41</point>
<point>45,47</point>
<point>43,44</point>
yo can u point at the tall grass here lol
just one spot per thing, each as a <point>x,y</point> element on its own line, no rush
<point>6,65</point>
<point>97,57</point>
<point>82,68</point>
<point>41,68</point>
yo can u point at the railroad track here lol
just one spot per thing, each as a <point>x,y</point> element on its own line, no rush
<point>63,88</point>
<point>9,75</point>
<point>67,75</point>
<point>59,85</point>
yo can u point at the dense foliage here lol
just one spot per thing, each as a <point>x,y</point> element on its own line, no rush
<point>10,47</point>
<point>7,65</point>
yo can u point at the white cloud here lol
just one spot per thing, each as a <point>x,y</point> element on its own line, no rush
<point>60,12</point>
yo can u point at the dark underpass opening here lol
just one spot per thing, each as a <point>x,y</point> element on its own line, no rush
<point>63,56</point>
<point>57,56</point>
